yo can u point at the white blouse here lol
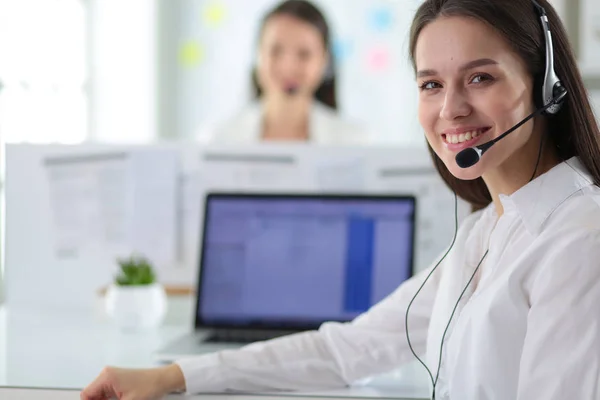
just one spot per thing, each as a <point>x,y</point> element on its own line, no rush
<point>326,127</point>
<point>528,328</point>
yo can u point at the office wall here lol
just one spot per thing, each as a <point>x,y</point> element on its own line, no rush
<point>123,69</point>
<point>585,32</point>
<point>582,20</point>
<point>595,99</point>
<point>590,35</point>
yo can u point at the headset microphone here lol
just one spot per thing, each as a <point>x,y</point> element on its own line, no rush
<point>471,156</point>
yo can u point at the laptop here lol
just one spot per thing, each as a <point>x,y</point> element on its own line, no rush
<point>276,264</point>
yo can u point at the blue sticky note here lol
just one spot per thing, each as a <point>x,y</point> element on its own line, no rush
<point>342,49</point>
<point>381,18</point>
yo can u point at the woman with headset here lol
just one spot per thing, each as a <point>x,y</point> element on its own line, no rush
<point>511,309</point>
<point>293,83</point>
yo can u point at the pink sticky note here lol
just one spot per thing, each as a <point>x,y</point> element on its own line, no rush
<point>378,59</point>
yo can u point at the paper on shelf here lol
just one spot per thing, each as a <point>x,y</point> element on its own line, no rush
<point>89,199</point>
<point>111,204</point>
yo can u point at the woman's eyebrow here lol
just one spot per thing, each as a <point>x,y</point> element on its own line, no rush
<point>470,65</point>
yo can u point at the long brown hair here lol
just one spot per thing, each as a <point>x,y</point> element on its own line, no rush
<point>574,130</point>
<point>307,12</point>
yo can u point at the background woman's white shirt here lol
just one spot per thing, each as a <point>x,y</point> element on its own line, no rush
<point>528,329</point>
<point>326,127</point>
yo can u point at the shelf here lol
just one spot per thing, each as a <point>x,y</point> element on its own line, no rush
<point>171,290</point>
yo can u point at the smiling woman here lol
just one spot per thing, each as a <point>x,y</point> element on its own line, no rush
<point>486,96</point>
<point>490,80</point>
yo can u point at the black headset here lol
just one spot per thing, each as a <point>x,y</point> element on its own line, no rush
<point>553,94</point>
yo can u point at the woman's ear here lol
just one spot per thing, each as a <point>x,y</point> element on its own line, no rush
<point>328,69</point>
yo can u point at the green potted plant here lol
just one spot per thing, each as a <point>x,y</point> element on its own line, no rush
<point>135,300</point>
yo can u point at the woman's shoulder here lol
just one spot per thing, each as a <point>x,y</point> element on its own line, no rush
<point>580,212</point>
<point>241,126</point>
<point>569,202</point>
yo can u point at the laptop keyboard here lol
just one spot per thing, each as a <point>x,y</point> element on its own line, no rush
<point>243,336</point>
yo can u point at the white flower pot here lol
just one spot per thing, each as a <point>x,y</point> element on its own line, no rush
<point>136,307</point>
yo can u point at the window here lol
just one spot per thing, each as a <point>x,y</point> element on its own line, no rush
<point>43,73</point>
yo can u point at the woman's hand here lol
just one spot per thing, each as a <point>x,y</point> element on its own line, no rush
<point>135,384</point>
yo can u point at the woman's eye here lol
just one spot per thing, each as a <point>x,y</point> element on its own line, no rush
<point>481,78</point>
<point>304,55</point>
<point>429,85</point>
<point>276,51</point>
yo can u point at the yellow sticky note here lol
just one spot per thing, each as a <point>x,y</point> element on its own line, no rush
<point>214,14</point>
<point>191,54</point>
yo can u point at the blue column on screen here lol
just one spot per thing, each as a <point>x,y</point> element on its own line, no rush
<point>359,264</point>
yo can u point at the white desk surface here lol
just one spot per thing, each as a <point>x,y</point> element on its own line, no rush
<point>61,394</point>
<point>53,355</point>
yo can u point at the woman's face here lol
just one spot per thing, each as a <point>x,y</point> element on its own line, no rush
<point>472,88</point>
<point>292,57</point>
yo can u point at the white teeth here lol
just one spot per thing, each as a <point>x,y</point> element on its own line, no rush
<point>454,139</point>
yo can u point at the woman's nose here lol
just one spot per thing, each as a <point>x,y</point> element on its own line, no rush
<point>287,63</point>
<point>456,105</point>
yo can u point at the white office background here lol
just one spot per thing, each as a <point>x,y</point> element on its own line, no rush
<point>217,50</point>
<point>133,71</point>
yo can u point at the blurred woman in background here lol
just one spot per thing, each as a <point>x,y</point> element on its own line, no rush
<point>293,83</point>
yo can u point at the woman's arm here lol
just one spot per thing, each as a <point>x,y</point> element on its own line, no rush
<point>336,355</point>
<point>561,353</point>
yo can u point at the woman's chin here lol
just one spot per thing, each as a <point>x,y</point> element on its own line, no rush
<point>463,174</point>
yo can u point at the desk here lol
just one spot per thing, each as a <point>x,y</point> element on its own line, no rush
<point>40,350</point>
<point>54,394</point>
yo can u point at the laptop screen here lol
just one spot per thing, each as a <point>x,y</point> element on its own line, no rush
<point>298,260</point>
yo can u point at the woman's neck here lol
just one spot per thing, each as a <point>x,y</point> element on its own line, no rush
<point>286,119</point>
<point>519,169</point>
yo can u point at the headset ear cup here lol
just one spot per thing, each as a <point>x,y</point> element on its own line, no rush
<point>557,91</point>
<point>538,95</point>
